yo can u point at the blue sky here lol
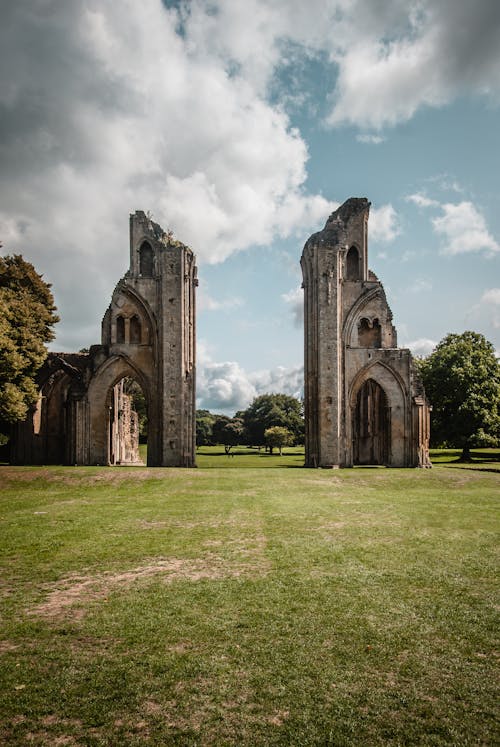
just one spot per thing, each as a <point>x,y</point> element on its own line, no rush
<point>240,126</point>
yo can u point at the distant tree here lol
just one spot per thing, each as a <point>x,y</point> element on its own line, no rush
<point>27,315</point>
<point>204,427</point>
<point>277,437</point>
<point>462,381</point>
<point>270,410</point>
<point>228,432</point>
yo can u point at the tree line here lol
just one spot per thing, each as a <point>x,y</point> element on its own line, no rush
<point>272,420</point>
<point>461,378</point>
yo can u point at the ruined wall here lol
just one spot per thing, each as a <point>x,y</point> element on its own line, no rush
<point>148,334</point>
<point>350,352</point>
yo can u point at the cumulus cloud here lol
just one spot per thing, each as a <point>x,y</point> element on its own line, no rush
<point>384,223</point>
<point>227,387</point>
<point>421,347</point>
<point>406,57</point>
<point>491,296</point>
<point>422,200</point>
<point>464,230</point>
<point>105,109</point>
<point>461,226</point>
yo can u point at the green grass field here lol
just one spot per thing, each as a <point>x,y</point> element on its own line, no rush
<point>245,604</point>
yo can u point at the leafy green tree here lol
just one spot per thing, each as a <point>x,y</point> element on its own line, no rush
<point>462,381</point>
<point>270,410</point>
<point>27,315</point>
<point>204,427</point>
<point>277,437</point>
<point>228,432</point>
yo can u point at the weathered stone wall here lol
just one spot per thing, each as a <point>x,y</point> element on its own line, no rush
<point>148,334</point>
<point>349,339</point>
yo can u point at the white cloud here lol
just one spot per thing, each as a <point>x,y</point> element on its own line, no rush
<point>384,224</point>
<point>405,58</point>
<point>226,387</point>
<point>490,305</point>
<point>464,230</point>
<point>491,296</point>
<point>421,347</point>
<point>106,108</point>
<point>422,200</point>
<point>370,139</point>
<point>295,298</point>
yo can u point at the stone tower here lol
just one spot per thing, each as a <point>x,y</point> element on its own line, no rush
<point>364,403</point>
<point>148,337</point>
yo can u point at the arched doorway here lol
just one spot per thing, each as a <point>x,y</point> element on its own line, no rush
<point>128,423</point>
<point>372,427</point>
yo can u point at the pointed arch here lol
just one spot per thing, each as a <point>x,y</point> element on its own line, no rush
<point>356,311</point>
<point>352,264</point>
<point>100,394</point>
<point>396,412</point>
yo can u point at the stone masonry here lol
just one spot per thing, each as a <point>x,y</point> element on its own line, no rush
<point>148,334</point>
<point>364,403</point>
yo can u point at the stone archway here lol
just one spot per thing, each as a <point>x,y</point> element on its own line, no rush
<point>371,425</point>
<point>102,403</point>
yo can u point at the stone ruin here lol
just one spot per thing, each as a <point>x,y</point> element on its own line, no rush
<point>84,415</point>
<point>364,402</point>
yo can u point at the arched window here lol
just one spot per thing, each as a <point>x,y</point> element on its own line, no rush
<point>135,329</point>
<point>146,260</point>
<point>120,329</point>
<point>352,264</point>
<point>369,334</point>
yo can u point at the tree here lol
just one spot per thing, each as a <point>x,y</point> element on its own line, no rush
<point>277,437</point>
<point>227,431</point>
<point>204,427</point>
<point>462,381</point>
<point>270,410</point>
<point>27,314</point>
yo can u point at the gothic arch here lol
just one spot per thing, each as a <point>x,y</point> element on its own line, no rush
<point>145,314</point>
<point>355,312</point>
<point>99,398</point>
<point>397,411</point>
<point>352,268</point>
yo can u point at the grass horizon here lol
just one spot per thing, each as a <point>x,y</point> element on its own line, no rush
<point>232,605</point>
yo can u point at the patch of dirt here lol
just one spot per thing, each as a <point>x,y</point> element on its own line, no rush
<point>73,592</point>
<point>6,646</point>
<point>278,718</point>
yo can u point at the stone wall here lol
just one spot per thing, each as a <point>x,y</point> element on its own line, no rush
<point>351,356</point>
<point>148,334</point>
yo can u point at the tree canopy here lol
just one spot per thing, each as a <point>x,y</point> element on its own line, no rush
<point>276,437</point>
<point>270,410</point>
<point>27,315</point>
<point>462,381</point>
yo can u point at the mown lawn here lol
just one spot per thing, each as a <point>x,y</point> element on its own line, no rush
<point>250,605</point>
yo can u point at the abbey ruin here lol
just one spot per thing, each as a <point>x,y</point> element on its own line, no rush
<point>364,403</point>
<point>84,413</point>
